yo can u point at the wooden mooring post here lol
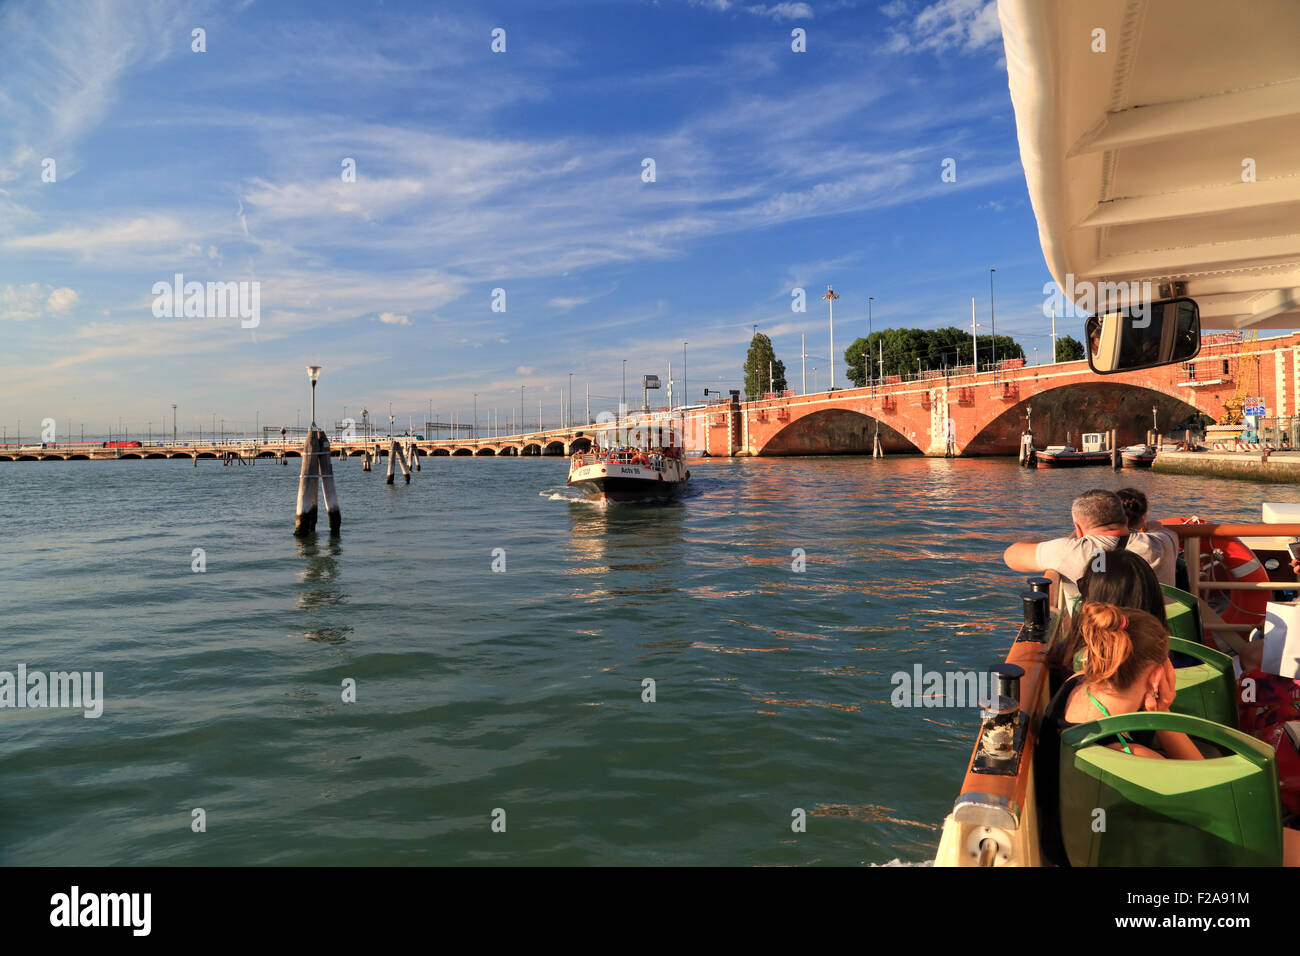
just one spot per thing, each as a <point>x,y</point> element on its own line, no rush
<point>1114,451</point>
<point>398,457</point>
<point>317,469</point>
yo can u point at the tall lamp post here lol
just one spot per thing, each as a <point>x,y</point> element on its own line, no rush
<point>473,433</point>
<point>173,423</point>
<point>867,364</point>
<point>623,404</point>
<point>313,373</point>
<point>522,429</point>
<point>830,298</point>
<point>993,321</point>
<point>570,399</point>
<point>685,391</point>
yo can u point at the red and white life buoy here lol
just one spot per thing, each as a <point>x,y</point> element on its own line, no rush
<point>1230,559</point>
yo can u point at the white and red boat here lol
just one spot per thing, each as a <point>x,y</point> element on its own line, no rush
<point>629,474</point>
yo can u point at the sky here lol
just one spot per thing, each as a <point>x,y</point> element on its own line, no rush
<point>475,170</point>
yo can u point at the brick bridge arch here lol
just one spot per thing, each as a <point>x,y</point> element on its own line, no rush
<point>987,411</point>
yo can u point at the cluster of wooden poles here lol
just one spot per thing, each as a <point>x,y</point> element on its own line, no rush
<point>318,472</point>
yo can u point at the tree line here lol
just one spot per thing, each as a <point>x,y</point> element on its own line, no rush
<point>897,352</point>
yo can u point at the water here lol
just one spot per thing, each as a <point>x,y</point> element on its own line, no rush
<point>519,690</point>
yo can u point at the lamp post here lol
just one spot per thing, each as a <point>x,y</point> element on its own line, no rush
<point>473,432</point>
<point>173,423</point>
<point>522,429</point>
<point>830,298</point>
<point>870,298</point>
<point>1155,427</point>
<point>623,404</point>
<point>570,399</point>
<point>685,392</point>
<point>993,321</point>
<point>313,373</point>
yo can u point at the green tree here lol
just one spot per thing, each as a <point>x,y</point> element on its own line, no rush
<point>1068,349</point>
<point>764,372</point>
<point>908,351</point>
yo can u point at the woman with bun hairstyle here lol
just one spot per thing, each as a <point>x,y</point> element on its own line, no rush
<point>1126,669</point>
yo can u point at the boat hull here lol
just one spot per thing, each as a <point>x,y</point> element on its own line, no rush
<point>626,483</point>
<point>1080,460</point>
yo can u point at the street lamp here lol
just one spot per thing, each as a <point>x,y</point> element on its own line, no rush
<point>313,373</point>
<point>521,410</point>
<point>830,298</point>
<point>473,432</point>
<point>623,404</point>
<point>685,392</point>
<point>870,299</point>
<point>173,423</point>
<point>993,321</point>
<point>570,399</point>
<point>1155,427</point>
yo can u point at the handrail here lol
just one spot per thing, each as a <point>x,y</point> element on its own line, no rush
<point>1212,530</point>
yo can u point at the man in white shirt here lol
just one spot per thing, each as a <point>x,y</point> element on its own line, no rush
<point>1100,524</point>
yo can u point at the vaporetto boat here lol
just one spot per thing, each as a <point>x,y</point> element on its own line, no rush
<point>1161,143</point>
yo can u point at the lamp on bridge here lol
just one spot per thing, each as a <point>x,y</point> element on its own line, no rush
<point>313,373</point>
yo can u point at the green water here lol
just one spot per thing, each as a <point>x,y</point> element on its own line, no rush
<point>519,690</point>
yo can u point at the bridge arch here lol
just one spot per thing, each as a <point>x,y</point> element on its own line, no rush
<point>582,443</point>
<point>1074,408</point>
<point>444,452</point>
<point>485,452</point>
<point>836,431</point>
<point>80,456</point>
<point>554,447</point>
<point>462,451</point>
<point>532,448</point>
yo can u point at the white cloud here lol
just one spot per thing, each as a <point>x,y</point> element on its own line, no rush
<point>566,302</point>
<point>782,11</point>
<point>968,25</point>
<point>389,318</point>
<point>20,303</point>
<point>525,370</point>
<point>61,300</point>
<point>34,300</point>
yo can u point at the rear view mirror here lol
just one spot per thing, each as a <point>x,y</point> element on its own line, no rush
<point>1143,335</point>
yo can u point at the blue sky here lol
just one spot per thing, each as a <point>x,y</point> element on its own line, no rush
<point>478,170</point>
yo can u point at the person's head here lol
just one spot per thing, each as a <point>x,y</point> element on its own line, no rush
<point>1097,508</point>
<point>1126,647</point>
<point>1135,507</point>
<point>1124,579</point>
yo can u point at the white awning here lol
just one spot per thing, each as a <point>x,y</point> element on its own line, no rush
<point>1134,157</point>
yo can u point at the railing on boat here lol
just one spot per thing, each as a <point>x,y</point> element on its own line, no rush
<point>1194,536</point>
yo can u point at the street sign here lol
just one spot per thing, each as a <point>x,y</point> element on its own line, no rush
<point>1252,405</point>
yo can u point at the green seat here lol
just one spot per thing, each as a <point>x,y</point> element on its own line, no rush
<point>1224,811</point>
<point>1184,614</point>
<point>1207,690</point>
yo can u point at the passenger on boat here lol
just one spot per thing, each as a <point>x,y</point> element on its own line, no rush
<point>1127,581</point>
<point>1100,524</point>
<point>1135,507</point>
<point>1126,669</point>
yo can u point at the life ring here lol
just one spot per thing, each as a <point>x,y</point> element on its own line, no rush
<point>641,460</point>
<point>1230,559</point>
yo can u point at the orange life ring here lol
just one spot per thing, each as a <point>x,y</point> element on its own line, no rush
<point>1230,559</point>
<point>641,460</point>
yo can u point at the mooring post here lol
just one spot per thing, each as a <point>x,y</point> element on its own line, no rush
<point>391,463</point>
<point>415,456</point>
<point>396,451</point>
<point>1114,451</point>
<point>326,470</point>
<point>305,517</point>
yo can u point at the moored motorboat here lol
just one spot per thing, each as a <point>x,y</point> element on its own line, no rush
<point>1137,456</point>
<point>1094,452</point>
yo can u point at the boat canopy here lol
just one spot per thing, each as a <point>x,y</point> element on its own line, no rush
<point>1172,157</point>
